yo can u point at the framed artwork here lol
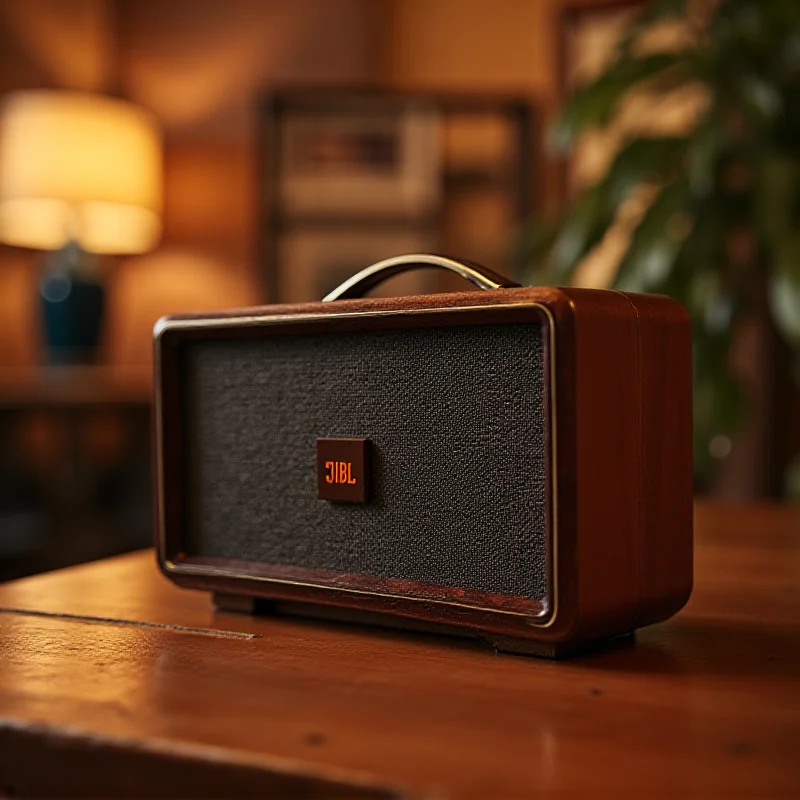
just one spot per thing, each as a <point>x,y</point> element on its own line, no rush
<point>378,163</point>
<point>349,176</point>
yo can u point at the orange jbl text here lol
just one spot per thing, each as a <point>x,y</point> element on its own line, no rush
<point>339,472</point>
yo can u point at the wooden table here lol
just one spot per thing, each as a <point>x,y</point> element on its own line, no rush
<point>114,682</point>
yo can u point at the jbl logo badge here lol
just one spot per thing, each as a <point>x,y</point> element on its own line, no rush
<point>343,470</point>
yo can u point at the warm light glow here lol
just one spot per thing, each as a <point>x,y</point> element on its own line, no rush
<point>79,166</point>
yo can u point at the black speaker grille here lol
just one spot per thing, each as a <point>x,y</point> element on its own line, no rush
<point>456,418</point>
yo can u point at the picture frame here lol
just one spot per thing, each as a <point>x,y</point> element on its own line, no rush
<point>378,162</point>
<point>349,175</point>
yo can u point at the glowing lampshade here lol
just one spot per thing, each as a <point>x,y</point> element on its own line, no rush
<point>82,167</point>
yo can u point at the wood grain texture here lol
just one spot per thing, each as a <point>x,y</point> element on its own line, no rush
<point>665,483</point>
<point>622,389</point>
<point>704,705</point>
<point>602,447</point>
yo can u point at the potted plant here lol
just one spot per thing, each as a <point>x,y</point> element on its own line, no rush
<point>721,227</point>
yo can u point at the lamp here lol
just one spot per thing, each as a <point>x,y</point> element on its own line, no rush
<point>80,175</point>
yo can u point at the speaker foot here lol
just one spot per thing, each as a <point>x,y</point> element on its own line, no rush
<point>246,604</point>
<point>239,603</point>
<point>559,650</point>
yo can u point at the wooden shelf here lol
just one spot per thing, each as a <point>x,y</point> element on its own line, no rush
<point>78,386</point>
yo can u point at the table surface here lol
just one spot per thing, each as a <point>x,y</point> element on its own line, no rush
<point>110,655</point>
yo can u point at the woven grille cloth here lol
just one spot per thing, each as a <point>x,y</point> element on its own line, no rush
<point>456,419</point>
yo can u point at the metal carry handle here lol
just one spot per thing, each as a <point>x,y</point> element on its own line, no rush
<point>370,277</point>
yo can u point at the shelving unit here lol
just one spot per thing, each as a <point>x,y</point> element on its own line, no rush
<point>350,176</point>
<point>75,465</point>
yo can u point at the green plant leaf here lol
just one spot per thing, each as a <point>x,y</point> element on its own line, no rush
<point>583,228</point>
<point>642,159</point>
<point>728,206</point>
<point>784,297</point>
<point>762,97</point>
<point>702,288</point>
<point>719,312</point>
<point>791,480</point>
<point>594,104</point>
<point>530,254</point>
<point>719,405</point>
<point>777,185</point>
<point>703,146</point>
<point>652,13</point>
<point>655,242</point>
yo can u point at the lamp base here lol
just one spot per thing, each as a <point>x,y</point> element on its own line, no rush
<point>72,304</point>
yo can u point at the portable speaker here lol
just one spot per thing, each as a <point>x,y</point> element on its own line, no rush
<point>513,464</point>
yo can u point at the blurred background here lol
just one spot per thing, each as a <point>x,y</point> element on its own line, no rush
<point>159,156</point>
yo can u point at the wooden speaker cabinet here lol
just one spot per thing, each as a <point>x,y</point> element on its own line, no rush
<point>513,464</point>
